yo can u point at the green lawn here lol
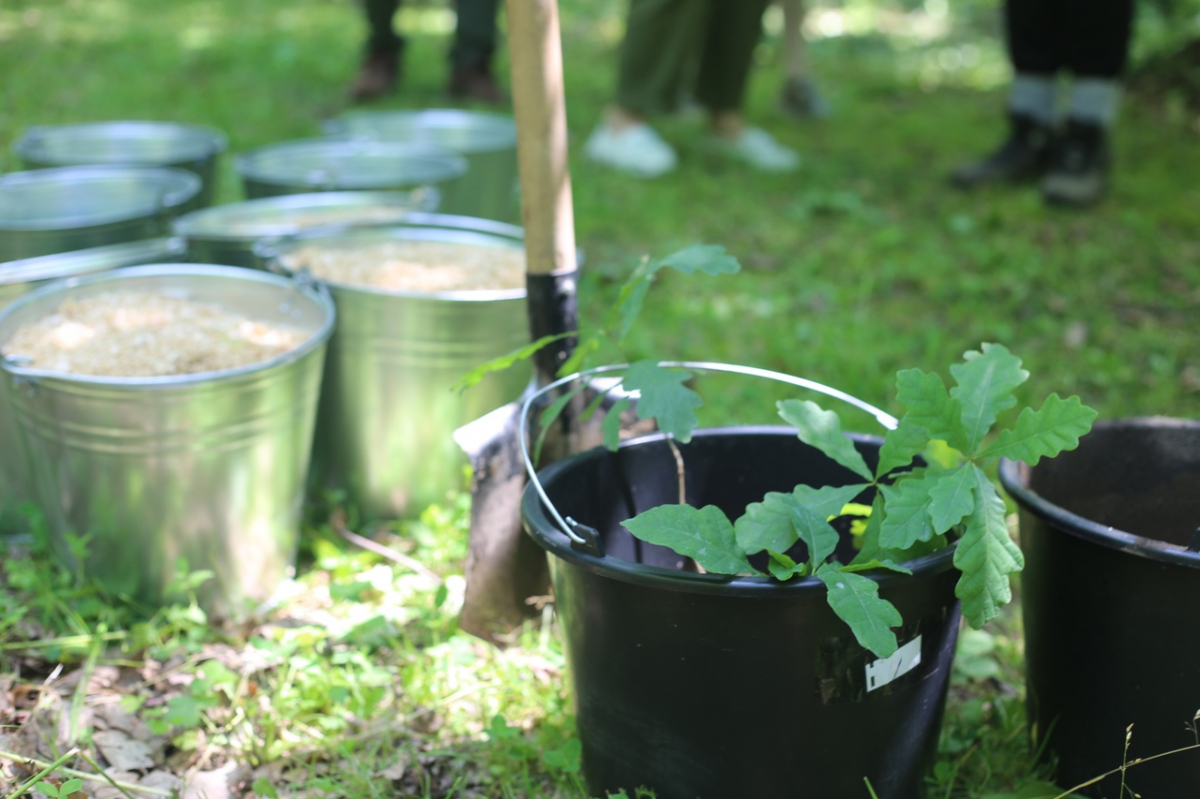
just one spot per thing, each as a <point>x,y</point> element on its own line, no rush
<point>860,263</point>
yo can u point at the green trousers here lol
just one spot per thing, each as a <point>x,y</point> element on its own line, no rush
<point>474,36</point>
<point>668,42</point>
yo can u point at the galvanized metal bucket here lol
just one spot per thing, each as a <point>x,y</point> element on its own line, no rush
<point>195,148</point>
<point>206,468</point>
<point>227,234</point>
<point>308,165</point>
<point>487,141</point>
<point>21,277</point>
<point>385,428</point>
<point>47,211</point>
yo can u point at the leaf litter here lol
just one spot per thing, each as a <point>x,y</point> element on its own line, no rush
<point>419,736</point>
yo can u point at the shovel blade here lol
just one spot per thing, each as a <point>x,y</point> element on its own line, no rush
<point>504,566</point>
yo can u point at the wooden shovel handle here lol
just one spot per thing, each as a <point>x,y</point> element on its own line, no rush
<point>539,105</point>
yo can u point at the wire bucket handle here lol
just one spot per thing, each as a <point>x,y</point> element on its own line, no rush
<point>584,537</point>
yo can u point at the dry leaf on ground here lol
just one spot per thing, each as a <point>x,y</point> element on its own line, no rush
<point>217,784</point>
<point>122,751</point>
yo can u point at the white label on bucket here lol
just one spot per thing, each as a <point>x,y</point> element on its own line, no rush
<point>902,661</point>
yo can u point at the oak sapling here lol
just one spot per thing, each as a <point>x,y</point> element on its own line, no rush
<point>916,509</point>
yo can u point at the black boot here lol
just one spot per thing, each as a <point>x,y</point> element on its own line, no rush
<point>377,75</point>
<point>1023,156</point>
<point>1078,173</point>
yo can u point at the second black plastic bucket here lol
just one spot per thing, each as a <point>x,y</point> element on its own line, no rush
<point>1111,601</point>
<point>701,685</point>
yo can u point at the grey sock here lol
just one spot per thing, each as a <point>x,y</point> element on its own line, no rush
<point>1095,100</point>
<point>1034,96</point>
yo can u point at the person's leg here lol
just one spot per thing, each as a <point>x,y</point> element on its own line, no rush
<point>800,96</point>
<point>381,61</point>
<point>727,52</point>
<point>660,37</point>
<point>1096,54</point>
<point>471,54</point>
<point>380,33</point>
<point>730,36</point>
<point>1035,34</point>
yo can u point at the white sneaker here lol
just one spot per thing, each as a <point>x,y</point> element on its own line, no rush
<point>759,149</point>
<point>636,149</point>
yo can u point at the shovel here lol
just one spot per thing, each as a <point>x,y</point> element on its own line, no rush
<point>504,568</point>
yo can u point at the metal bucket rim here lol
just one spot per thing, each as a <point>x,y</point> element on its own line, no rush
<point>93,259</point>
<point>489,132</point>
<point>167,270</point>
<point>1014,476</point>
<point>206,223</point>
<point>202,141</point>
<point>442,163</point>
<point>434,222</point>
<point>176,187</point>
<point>545,533</point>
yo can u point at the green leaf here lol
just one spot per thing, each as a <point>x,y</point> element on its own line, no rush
<point>901,445</point>
<point>829,502</point>
<point>871,548</point>
<point>550,415</point>
<point>707,258</point>
<point>953,497</point>
<point>929,405</point>
<point>875,564</point>
<point>823,429</point>
<point>664,397</point>
<point>504,361</point>
<point>185,710</point>
<point>264,789</point>
<point>767,525</point>
<point>855,600</point>
<point>70,786</point>
<point>782,519</point>
<point>588,343</point>
<point>986,556</point>
<point>986,380</point>
<point>629,304</point>
<point>783,568</point>
<point>907,505</point>
<point>712,259</point>
<point>566,757</point>
<point>703,534</point>
<point>611,425</point>
<point>1056,427</point>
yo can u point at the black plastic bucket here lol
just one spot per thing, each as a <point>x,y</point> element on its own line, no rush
<point>1111,598</point>
<point>699,685</point>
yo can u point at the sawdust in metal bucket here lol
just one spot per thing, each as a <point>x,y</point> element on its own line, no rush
<point>413,266</point>
<point>147,334</point>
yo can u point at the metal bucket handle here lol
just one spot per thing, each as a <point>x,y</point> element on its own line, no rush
<point>584,537</point>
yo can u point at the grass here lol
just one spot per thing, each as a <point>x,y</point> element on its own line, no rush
<point>861,263</point>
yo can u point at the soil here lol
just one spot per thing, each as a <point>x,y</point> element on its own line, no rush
<point>146,334</point>
<point>413,266</point>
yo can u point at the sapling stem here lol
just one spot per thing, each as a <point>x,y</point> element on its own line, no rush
<point>681,475</point>
<point>679,470</point>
